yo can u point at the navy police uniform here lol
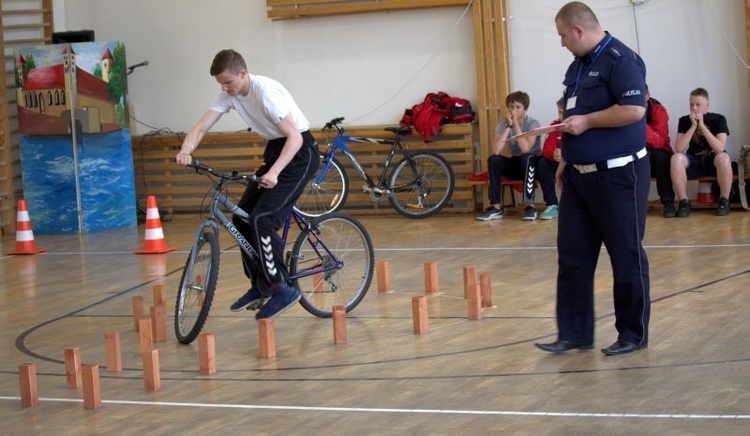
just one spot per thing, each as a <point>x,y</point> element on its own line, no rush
<point>604,197</point>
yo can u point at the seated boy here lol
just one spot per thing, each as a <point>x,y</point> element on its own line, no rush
<point>700,150</point>
<point>547,167</point>
<point>523,153</point>
<point>660,152</point>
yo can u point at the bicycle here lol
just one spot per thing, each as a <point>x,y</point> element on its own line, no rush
<point>331,261</point>
<point>419,186</point>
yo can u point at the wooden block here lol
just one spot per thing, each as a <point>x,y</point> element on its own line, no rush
<point>160,295</point>
<point>73,367</point>
<point>145,335</point>
<point>159,322</point>
<point>485,290</point>
<point>27,383</point>
<point>383,276</point>
<point>339,325</point>
<point>419,314</point>
<point>207,353</point>
<point>112,348</point>
<point>92,394</point>
<point>475,303</point>
<point>470,277</point>
<point>266,339</point>
<point>151,372</point>
<point>430,278</point>
<point>137,311</point>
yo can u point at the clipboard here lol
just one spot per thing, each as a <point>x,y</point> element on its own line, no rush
<point>538,131</point>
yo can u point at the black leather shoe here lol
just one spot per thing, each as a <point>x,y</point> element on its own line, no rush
<point>621,346</point>
<point>561,346</point>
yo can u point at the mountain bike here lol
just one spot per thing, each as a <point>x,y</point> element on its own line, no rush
<point>331,261</point>
<point>419,186</point>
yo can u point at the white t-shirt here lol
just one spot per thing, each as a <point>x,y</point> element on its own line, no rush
<point>264,106</point>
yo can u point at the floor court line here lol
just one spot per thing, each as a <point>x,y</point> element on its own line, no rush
<point>517,248</point>
<point>405,411</point>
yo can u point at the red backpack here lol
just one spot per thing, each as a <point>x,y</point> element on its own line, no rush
<point>460,109</point>
<point>438,108</point>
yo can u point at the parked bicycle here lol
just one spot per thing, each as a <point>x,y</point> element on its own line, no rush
<point>331,261</point>
<point>420,185</point>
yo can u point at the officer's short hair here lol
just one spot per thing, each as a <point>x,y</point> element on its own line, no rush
<point>577,13</point>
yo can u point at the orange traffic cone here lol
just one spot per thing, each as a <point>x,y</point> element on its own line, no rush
<point>705,195</point>
<point>155,243</point>
<point>24,236</point>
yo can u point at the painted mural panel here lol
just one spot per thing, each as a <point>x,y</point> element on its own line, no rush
<point>79,86</point>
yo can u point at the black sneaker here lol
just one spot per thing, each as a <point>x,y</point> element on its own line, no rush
<point>491,213</point>
<point>669,210</point>
<point>684,208</point>
<point>529,214</point>
<point>282,299</point>
<point>723,208</point>
<point>250,301</point>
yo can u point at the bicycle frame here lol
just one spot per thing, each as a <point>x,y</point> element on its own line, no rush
<point>218,217</point>
<point>316,268</point>
<point>339,143</point>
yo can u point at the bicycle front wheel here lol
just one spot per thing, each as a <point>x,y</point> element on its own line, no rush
<point>326,196</point>
<point>332,263</point>
<point>197,287</point>
<point>421,185</point>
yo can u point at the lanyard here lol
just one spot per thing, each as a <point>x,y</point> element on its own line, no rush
<point>597,51</point>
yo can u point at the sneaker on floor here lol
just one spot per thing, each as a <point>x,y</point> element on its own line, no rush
<point>723,208</point>
<point>529,214</point>
<point>491,213</point>
<point>250,301</point>
<point>669,210</point>
<point>549,213</point>
<point>282,299</point>
<point>684,209</point>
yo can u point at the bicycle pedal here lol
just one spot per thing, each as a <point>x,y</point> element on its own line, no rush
<point>253,307</point>
<point>413,206</point>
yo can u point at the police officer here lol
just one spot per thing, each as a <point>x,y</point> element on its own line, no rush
<point>605,182</point>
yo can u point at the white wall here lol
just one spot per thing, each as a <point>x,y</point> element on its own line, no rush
<point>370,67</point>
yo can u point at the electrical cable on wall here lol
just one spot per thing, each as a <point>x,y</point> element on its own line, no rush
<point>721,26</point>
<point>635,23</point>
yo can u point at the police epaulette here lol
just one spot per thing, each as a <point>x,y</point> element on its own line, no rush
<point>614,52</point>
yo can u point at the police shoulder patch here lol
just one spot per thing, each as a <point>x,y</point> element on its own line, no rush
<point>614,52</point>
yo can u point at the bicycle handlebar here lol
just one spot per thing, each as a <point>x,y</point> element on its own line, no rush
<point>401,130</point>
<point>335,123</point>
<point>234,175</point>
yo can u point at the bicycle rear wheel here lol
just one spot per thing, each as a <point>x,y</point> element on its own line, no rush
<point>332,263</point>
<point>421,185</point>
<point>326,196</point>
<point>197,287</point>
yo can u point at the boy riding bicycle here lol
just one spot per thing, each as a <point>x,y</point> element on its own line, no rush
<point>290,160</point>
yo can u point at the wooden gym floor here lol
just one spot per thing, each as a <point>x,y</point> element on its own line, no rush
<point>463,377</point>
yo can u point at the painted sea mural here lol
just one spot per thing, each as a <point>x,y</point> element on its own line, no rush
<point>75,93</point>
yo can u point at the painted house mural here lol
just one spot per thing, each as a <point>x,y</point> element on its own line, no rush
<point>44,92</point>
<point>73,120</point>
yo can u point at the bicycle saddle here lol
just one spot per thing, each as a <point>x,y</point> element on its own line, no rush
<point>403,129</point>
